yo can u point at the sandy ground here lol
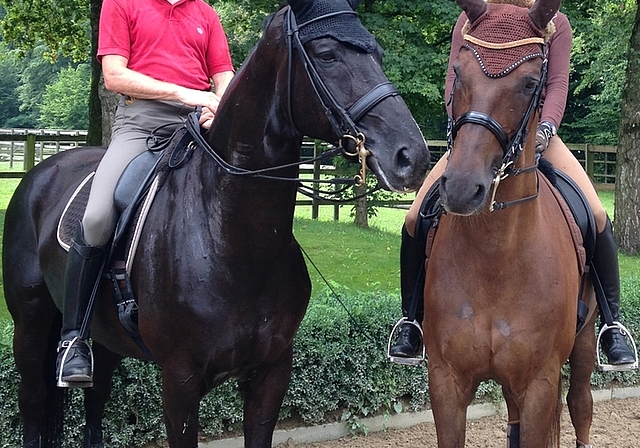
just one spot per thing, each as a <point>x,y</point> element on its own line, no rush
<point>616,423</point>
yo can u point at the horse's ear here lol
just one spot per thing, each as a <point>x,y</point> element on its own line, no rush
<point>543,11</point>
<point>473,8</point>
<point>299,7</point>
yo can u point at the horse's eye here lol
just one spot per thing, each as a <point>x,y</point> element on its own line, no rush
<point>530,86</point>
<point>327,56</point>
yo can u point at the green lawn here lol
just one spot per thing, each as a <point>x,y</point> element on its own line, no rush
<point>344,255</point>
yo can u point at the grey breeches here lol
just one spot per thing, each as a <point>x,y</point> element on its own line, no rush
<point>133,124</point>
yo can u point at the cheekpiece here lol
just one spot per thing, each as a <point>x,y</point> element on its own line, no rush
<point>503,38</point>
<point>343,27</point>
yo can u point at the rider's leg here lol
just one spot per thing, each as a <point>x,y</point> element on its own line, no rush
<point>133,123</point>
<point>605,259</point>
<point>411,217</point>
<point>412,258</point>
<point>605,263</point>
<point>74,357</point>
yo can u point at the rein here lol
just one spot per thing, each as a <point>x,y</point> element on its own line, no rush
<point>193,126</point>
<point>512,147</point>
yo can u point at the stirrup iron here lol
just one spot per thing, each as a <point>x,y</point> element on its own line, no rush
<point>399,359</point>
<point>602,367</point>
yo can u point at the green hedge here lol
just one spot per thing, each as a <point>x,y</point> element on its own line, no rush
<point>341,373</point>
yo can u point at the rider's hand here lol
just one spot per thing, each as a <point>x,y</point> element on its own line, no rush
<point>206,118</point>
<point>544,134</point>
<point>208,100</point>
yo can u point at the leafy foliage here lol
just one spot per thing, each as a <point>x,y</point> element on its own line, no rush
<point>602,31</point>
<point>62,25</point>
<point>416,39</point>
<point>414,35</point>
<point>64,103</point>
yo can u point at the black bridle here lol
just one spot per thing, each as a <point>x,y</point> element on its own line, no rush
<point>343,121</point>
<point>512,147</point>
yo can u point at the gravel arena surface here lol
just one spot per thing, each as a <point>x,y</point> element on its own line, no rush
<point>616,423</point>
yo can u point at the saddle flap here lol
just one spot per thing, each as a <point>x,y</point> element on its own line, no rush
<point>135,176</point>
<point>580,209</point>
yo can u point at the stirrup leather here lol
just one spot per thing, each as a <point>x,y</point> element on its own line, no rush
<point>74,384</point>
<point>602,367</point>
<point>399,359</point>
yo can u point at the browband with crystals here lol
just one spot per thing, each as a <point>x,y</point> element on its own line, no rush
<point>504,45</point>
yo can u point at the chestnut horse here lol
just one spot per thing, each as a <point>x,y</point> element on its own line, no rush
<point>220,280</point>
<point>503,275</point>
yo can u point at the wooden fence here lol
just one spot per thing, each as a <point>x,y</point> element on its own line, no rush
<point>21,149</point>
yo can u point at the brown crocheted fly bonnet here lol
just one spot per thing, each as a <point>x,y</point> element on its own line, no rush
<point>505,36</point>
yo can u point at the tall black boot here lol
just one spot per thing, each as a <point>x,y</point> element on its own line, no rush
<point>84,265</point>
<point>412,258</point>
<point>605,263</point>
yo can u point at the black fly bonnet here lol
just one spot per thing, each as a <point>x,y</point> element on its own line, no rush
<point>335,19</point>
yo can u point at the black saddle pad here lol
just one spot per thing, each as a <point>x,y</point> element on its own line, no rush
<point>74,211</point>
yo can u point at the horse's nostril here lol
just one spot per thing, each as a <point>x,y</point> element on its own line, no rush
<point>403,158</point>
<point>479,196</point>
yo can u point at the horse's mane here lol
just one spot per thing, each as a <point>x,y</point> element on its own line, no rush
<point>546,168</point>
<point>267,20</point>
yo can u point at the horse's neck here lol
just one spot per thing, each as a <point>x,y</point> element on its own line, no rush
<point>251,132</point>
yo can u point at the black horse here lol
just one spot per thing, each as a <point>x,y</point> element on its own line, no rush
<point>220,280</point>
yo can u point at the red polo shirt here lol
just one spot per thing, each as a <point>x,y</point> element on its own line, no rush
<point>183,43</point>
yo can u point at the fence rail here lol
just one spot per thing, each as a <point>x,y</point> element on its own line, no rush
<point>26,147</point>
<point>29,146</point>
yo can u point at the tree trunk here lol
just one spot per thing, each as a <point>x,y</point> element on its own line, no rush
<point>362,217</point>
<point>95,131</point>
<point>627,205</point>
<point>109,101</point>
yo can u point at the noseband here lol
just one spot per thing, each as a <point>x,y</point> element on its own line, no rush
<point>342,121</point>
<point>511,146</point>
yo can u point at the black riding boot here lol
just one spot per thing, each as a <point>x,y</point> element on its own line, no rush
<point>84,264</point>
<point>605,263</point>
<point>412,257</point>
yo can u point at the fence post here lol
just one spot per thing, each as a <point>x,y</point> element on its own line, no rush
<point>30,151</point>
<point>315,206</point>
<point>589,160</point>
<point>12,148</point>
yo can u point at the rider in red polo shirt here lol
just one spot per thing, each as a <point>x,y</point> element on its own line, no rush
<point>163,57</point>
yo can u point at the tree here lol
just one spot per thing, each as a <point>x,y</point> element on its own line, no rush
<point>65,102</point>
<point>65,27</point>
<point>601,30</point>
<point>10,75</point>
<point>416,38</point>
<point>627,206</point>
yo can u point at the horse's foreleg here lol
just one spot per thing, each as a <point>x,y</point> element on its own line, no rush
<point>96,397</point>
<point>513,415</point>
<point>34,345</point>
<point>263,394</point>
<point>449,402</point>
<point>579,399</point>
<point>182,390</point>
<point>540,411</point>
